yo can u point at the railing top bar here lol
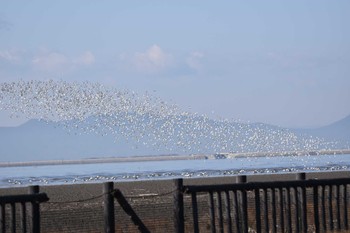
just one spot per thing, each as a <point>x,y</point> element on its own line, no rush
<point>37,197</point>
<point>264,185</point>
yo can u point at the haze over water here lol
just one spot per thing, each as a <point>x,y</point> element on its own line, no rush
<point>144,119</point>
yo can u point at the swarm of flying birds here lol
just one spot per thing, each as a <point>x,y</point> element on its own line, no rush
<point>144,119</point>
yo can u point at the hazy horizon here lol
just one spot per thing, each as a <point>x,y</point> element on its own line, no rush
<point>22,120</point>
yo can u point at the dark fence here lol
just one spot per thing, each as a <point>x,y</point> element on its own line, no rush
<point>243,205</point>
<point>281,206</point>
<point>9,215</point>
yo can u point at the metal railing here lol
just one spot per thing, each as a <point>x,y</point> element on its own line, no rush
<point>301,205</point>
<point>281,206</point>
<point>8,213</point>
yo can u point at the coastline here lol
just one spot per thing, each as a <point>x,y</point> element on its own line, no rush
<point>103,160</point>
<point>171,157</point>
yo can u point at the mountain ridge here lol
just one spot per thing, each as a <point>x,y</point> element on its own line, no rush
<point>336,131</point>
<point>52,141</point>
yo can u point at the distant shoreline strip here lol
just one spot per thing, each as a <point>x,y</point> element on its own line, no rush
<point>287,153</point>
<point>103,160</point>
<point>171,158</point>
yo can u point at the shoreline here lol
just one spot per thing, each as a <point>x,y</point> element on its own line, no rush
<point>171,158</point>
<point>289,153</point>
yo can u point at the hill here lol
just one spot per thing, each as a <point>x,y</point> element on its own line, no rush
<point>39,140</point>
<point>338,131</point>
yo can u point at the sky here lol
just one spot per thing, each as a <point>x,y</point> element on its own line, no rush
<point>285,63</point>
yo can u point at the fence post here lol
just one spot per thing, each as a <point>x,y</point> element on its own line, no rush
<point>35,210</point>
<point>179,207</point>
<point>244,204</point>
<point>302,205</point>
<point>109,207</point>
<point>316,215</point>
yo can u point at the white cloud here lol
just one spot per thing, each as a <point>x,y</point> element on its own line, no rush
<point>10,55</point>
<point>50,62</point>
<point>53,61</point>
<point>154,60</point>
<point>194,60</point>
<point>86,58</point>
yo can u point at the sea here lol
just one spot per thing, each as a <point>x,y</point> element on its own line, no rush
<point>169,169</point>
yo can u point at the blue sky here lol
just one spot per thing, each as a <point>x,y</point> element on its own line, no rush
<point>280,62</point>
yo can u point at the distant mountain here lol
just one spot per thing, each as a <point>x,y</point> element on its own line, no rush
<point>338,131</point>
<point>39,140</point>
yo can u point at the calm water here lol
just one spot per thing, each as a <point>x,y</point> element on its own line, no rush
<point>60,174</point>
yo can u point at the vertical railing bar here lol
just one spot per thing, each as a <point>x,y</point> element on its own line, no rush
<point>35,211</point>
<point>316,215</point>
<point>274,215</point>
<point>195,212</point>
<point>324,222</point>
<point>220,213</point>
<point>243,205</point>
<point>108,208</point>
<point>301,203</point>
<point>266,211</point>
<point>228,211</point>
<point>297,210</point>
<point>289,217</point>
<point>179,206</point>
<point>3,217</point>
<point>240,211</point>
<point>257,210</point>
<point>13,217</point>
<point>330,200</point>
<point>212,212</point>
<point>304,204</point>
<point>338,207</point>
<point>345,207</point>
<point>24,217</point>
<point>244,211</point>
<point>236,210</point>
<point>341,206</point>
<point>281,199</point>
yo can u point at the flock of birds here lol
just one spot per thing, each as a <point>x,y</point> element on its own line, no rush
<point>144,119</point>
